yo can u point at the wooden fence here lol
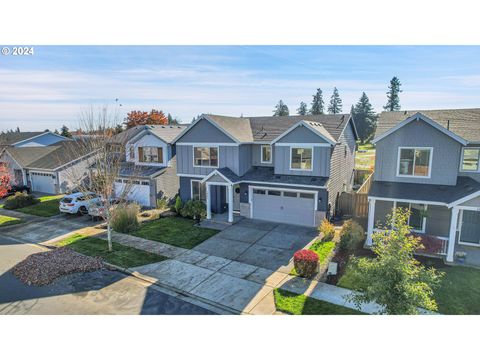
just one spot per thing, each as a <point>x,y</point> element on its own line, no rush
<point>355,204</point>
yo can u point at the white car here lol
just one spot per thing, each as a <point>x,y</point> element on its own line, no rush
<point>77,203</point>
<point>97,207</point>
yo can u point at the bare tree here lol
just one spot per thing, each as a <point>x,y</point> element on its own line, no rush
<point>101,151</point>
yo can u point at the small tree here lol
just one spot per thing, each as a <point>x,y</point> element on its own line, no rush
<point>335,106</point>
<point>4,180</point>
<point>302,110</point>
<point>393,95</point>
<point>154,117</point>
<point>281,109</point>
<point>64,131</point>
<point>317,103</point>
<point>394,279</point>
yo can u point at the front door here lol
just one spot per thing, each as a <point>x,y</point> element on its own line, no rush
<point>236,198</point>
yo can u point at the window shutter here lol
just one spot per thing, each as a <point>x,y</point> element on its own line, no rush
<point>160,154</point>
<point>140,154</point>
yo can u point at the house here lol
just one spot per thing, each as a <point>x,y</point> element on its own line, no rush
<point>149,165</point>
<point>288,169</point>
<point>428,162</point>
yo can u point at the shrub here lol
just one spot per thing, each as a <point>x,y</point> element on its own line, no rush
<point>20,200</point>
<point>305,262</point>
<point>328,230</point>
<point>124,218</point>
<point>162,203</point>
<point>351,236</point>
<point>178,205</point>
<point>194,209</point>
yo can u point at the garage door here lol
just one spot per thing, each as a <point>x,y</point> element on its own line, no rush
<point>290,207</point>
<point>43,182</point>
<point>139,191</point>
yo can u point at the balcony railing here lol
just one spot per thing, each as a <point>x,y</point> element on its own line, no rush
<point>433,245</point>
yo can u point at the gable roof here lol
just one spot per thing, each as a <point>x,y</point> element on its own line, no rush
<point>464,123</point>
<point>315,127</point>
<point>166,133</point>
<point>15,137</point>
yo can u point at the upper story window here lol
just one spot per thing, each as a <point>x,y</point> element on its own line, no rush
<point>415,162</point>
<point>470,159</point>
<point>266,154</point>
<point>301,158</point>
<point>205,156</point>
<point>150,154</point>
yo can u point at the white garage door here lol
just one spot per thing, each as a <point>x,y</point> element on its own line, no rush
<point>285,206</point>
<point>43,182</point>
<point>139,191</point>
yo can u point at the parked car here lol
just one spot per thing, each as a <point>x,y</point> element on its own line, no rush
<point>77,203</point>
<point>97,208</point>
<point>17,188</point>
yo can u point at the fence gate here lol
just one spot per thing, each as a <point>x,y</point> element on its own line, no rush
<point>355,205</point>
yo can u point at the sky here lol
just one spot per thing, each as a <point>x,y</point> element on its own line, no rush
<point>55,85</point>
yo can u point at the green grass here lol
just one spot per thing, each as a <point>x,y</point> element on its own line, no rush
<point>367,146</point>
<point>48,206</point>
<point>123,256</point>
<point>295,304</point>
<point>458,294</point>
<point>8,220</point>
<point>323,249</point>
<point>174,231</point>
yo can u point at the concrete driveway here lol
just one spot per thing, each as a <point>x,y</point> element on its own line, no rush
<point>259,243</point>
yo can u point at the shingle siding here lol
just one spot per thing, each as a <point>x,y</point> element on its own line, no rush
<point>168,183</point>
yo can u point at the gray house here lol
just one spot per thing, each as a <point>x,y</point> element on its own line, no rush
<point>428,161</point>
<point>287,169</point>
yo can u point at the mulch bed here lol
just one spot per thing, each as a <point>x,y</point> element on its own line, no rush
<point>342,257</point>
<point>43,268</point>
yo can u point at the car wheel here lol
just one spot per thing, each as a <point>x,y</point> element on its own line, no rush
<point>82,211</point>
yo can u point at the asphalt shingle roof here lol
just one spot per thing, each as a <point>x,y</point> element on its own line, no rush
<point>462,122</point>
<point>130,169</point>
<point>14,137</point>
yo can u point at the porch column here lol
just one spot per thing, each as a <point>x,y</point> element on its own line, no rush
<point>209,202</point>
<point>230,203</point>
<point>453,234</point>
<point>371,217</point>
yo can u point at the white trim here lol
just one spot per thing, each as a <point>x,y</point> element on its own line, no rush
<point>426,202</point>
<point>283,184</point>
<point>214,173</point>
<point>141,134</point>
<point>191,175</point>
<point>202,166</point>
<point>468,208</point>
<point>206,144</point>
<point>308,126</point>
<point>207,118</point>
<point>45,132</point>
<point>399,150</point>
<point>302,147</point>
<point>420,116</point>
<point>464,199</point>
<point>461,160</point>
<point>424,219</point>
<point>191,189</point>
<point>304,144</point>
<point>261,153</point>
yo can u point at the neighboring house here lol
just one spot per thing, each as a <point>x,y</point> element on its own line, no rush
<point>428,161</point>
<point>149,168</point>
<point>288,169</point>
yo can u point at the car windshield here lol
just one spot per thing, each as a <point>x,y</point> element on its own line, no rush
<point>66,200</point>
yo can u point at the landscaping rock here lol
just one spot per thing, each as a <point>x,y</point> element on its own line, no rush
<point>43,268</point>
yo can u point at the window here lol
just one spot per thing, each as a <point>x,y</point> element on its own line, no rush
<point>199,191</point>
<point>414,162</point>
<point>274,193</point>
<point>151,154</point>
<point>205,156</point>
<point>131,152</point>
<point>301,159</point>
<point>470,227</point>
<point>417,219</point>
<point>290,194</point>
<point>259,191</point>
<point>266,154</point>
<point>470,159</point>
<point>307,196</point>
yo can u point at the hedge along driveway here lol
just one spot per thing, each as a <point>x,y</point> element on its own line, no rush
<point>48,206</point>
<point>174,231</point>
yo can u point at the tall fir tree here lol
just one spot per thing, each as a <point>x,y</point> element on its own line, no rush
<point>364,117</point>
<point>281,109</point>
<point>170,119</point>
<point>64,131</point>
<point>335,106</point>
<point>393,95</point>
<point>302,110</point>
<point>317,103</point>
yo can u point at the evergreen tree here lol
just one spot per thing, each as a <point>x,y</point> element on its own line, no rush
<point>335,106</point>
<point>56,132</point>
<point>364,117</point>
<point>281,109</point>
<point>17,129</point>
<point>302,110</point>
<point>170,119</point>
<point>118,128</point>
<point>393,95</point>
<point>64,131</point>
<point>317,103</point>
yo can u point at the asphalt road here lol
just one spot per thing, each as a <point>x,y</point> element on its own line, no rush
<point>98,292</point>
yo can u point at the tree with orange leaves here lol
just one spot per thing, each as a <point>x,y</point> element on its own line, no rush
<point>154,117</point>
<point>4,180</point>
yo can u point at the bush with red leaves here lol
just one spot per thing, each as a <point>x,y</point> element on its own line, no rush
<point>305,262</point>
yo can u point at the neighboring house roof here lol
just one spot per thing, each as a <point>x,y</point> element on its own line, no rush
<point>14,137</point>
<point>464,123</point>
<point>167,133</point>
<point>444,194</point>
<point>130,169</point>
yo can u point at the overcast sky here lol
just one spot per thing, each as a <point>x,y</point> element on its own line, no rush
<point>54,85</point>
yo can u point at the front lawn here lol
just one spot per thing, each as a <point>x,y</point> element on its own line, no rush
<point>458,294</point>
<point>174,231</point>
<point>123,256</point>
<point>365,157</point>
<point>8,220</point>
<point>48,206</point>
<point>291,303</point>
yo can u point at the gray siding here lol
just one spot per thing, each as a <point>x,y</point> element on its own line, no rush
<point>228,157</point>
<point>257,156</point>
<point>445,156</point>
<point>302,135</point>
<point>382,209</point>
<point>218,194</point>
<point>245,158</point>
<point>205,132</point>
<point>474,202</point>
<point>168,183</point>
<point>342,164</point>
<point>321,162</point>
